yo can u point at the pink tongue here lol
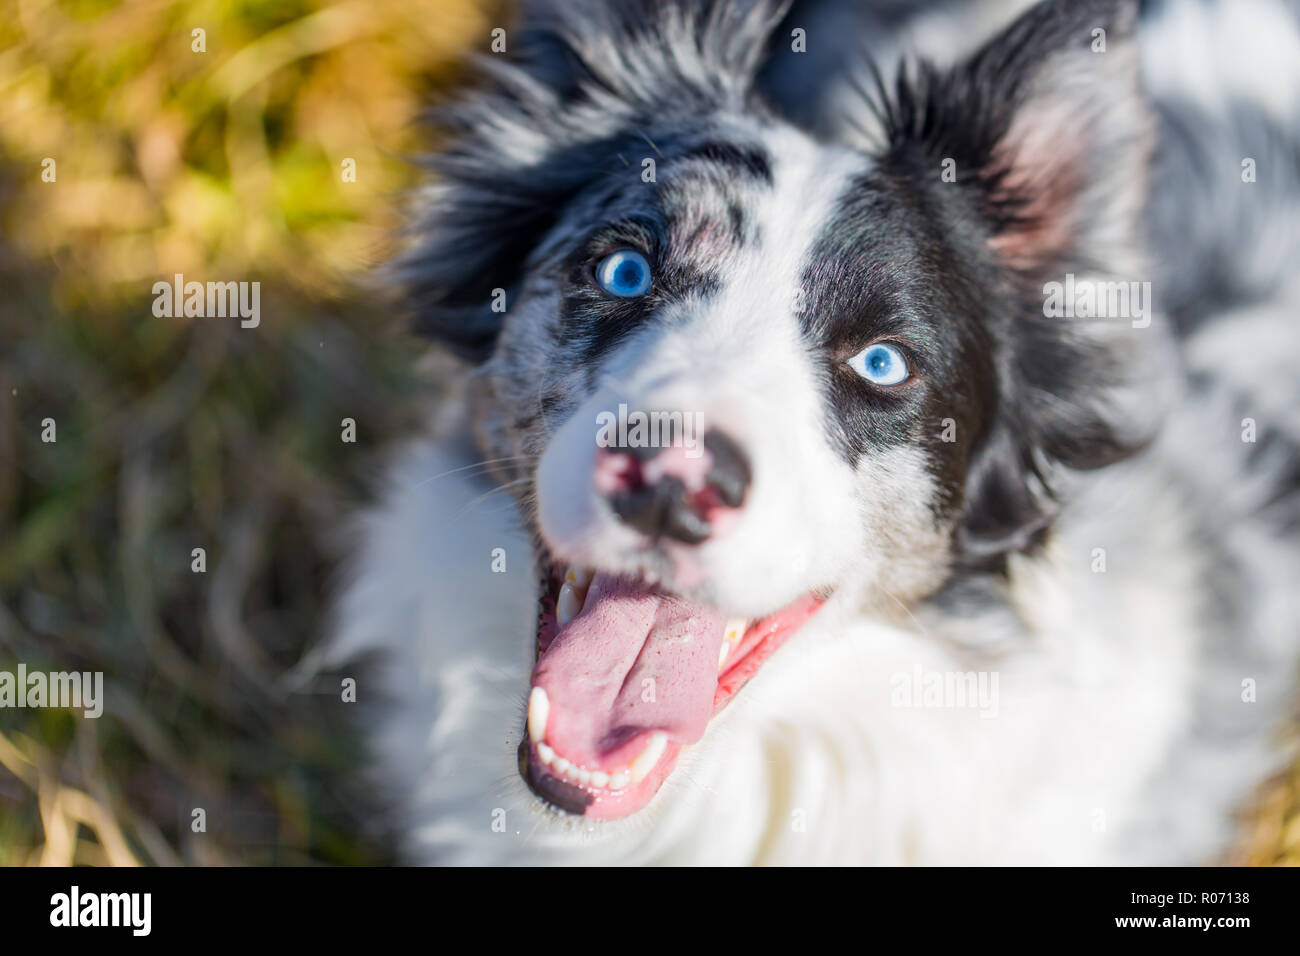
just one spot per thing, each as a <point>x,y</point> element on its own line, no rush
<point>631,662</point>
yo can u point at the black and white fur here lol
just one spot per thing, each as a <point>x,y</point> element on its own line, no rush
<point>787,230</point>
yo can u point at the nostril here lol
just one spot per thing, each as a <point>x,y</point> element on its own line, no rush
<point>728,472</point>
<point>617,471</point>
<point>674,493</point>
<point>661,510</point>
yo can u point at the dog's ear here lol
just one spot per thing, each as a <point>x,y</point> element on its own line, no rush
<point>1048,137</point>
<point>568,105</point>
<point>1045,129</point>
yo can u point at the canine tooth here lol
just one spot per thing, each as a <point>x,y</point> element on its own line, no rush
<point>618,781</point>
<point>539,708</point>
<point>569,604</point>
<point>647,759</point>
<point>546,753</point>
<point>731,636</point>
<point>578,577</point>
<point>599,779</point>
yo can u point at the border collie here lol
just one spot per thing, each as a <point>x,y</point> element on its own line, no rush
<point>887,460</point>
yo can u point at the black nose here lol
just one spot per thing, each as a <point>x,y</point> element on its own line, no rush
<point>729,469</point>
<point>678,506</point>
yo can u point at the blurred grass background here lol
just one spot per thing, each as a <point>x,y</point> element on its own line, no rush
<point>180,433</point>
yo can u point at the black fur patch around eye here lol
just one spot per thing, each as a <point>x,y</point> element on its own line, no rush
<point>968,258</point>
<point>685,229</point>
<point>882,270</point>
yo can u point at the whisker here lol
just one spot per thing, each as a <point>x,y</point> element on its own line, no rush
<point>487,494</point>
<point>486,463</point>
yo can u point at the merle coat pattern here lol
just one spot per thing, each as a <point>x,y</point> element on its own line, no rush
<point>954,524</point>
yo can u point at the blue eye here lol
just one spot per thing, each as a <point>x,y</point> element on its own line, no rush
<point>880,364</point>
<point>624,273</point>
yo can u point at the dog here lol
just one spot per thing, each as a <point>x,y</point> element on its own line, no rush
<point>893,462</point>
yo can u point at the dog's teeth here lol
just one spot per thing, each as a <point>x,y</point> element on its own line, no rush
<point>647,759</point>
<point>580,578</point>
<point>600,779</point>
<point>569,604</point>
<point>731,636</point>
<point>539,708</point>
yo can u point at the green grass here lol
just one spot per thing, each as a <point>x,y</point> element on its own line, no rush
<point>174,434</point>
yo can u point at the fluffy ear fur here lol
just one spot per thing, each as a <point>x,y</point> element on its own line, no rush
<point>1050,137</point>
<point>586,86</point>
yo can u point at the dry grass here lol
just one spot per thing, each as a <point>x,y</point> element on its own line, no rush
<point>176,434</point>
<point>181,433</point>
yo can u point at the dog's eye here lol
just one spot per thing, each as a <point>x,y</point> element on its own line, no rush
<point>624,273</point>
<point>880,364</point>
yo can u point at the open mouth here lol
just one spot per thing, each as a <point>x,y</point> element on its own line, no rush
<point>626,676</point>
